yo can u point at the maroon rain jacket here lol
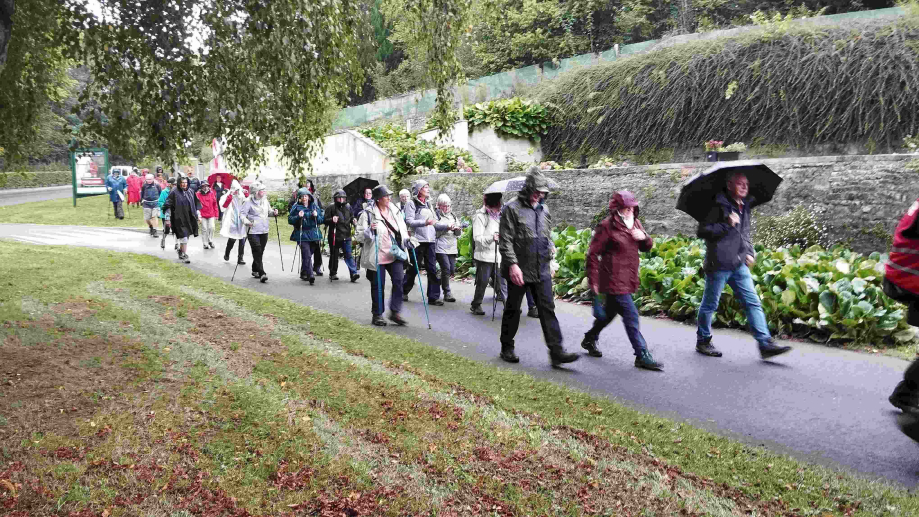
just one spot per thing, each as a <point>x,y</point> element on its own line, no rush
<point>612,261</point>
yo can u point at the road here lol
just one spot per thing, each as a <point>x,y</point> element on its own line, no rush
<point>27,195</point>
<point>820,404</point>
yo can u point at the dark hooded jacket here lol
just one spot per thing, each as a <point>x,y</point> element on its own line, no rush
<point>525,236</point>
<point>182,207</point>
<point>726,245</point>
<point>342,228</point>
<point>612,261</point>
<point>306,228</point>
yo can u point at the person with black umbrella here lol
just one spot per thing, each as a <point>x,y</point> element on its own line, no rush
<point>728,256</point>
<point>339,220</point>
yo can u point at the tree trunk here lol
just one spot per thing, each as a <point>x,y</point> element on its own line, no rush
<point>6,28</point>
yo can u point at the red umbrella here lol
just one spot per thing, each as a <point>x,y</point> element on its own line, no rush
<point>225,177</point>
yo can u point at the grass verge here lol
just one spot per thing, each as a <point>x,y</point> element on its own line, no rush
<point>155,390</point>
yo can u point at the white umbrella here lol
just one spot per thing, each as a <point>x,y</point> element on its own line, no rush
<point>513,185</point>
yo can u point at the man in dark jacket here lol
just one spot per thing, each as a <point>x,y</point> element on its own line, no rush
<point>728,256</point>
<point>149,198</point>
<point>338,219</point>
<point>526,249</point>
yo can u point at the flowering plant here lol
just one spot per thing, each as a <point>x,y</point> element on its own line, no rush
<point>712,145</point>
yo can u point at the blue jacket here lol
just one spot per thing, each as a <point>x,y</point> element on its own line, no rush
<point>150,194</point>
<point>159,202</point>
<point>116,185</point>
<point>306,228</point>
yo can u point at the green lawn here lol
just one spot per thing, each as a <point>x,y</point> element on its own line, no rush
<point>150,389</point>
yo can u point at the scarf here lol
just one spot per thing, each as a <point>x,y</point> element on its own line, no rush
<point>627,221</point>
<point>261,206</point>
<point>494,213</point>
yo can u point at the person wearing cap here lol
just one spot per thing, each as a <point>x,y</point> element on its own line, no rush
<point>305,216</point>
<point>208,214</point>
<point>231,226</point>
<point>421,218</point>
<point>182,211</point>
<point>381,225</point>
<point>116,187</point>
<point>526,248</point>
<point>338,219</point>
<point>254,215</point>
<point>149,198</point>
<point>612,273</point>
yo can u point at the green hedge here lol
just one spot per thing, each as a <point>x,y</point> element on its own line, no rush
<point>800,85</point>
<point>412,155</point>
<point>34,179</point>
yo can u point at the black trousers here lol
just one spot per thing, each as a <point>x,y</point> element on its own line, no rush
<point>242,246</point>
<point>426,256</point>
<point>545,302</point>
<point>257,244</point>
<point>316,248</point>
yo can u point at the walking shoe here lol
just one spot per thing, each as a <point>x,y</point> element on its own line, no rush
<point>355,277</point>
<point>644,360</point>
<point>226,256</point>
<point>705,347</point>
<point>477,310</point>
<point>533,313</point>
<point>500,299</point>
<point>304,278</point>
<point>770,349</point>
<point>176,246</point>
<point>186,259</point>
<point>154,233</point>
<point>449,298</point>
<point>397,319</point>
<point>507,354</point>
<point>435,302</point>
<point>318,272</point>
<point>905,398</point>
<point>264,278</point>
<point>378,321</point>
<point>312,280</point>
<point>404,297</point>
<point>211,245</point>
<point>241,262</point>
<point>256,274</point>
<point>558,355</point>
<point>179,253</point>
<point>333,277</point>
<point>591,346</point>
<point>151,230</point>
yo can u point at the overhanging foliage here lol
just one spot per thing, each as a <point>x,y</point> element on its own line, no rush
<point>779,84</point>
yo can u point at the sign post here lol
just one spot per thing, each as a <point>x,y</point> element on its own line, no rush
<point>88,168</point>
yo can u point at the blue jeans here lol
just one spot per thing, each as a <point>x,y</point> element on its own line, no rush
<point>378,286</point>
<point>620,304</point>
<point>345,247</point>
<point>742,284</point>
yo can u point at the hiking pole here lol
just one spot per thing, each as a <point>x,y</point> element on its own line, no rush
<point>494,285</point>
<point>237,262</point>
<point>379,285</point>
<point>278,232</point>
<point>424,295</point>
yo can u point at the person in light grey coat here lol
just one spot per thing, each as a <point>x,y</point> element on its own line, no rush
<point>421,217</point>
<point>445,247</point>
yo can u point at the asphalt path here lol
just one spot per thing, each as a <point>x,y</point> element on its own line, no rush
<point>28,195</point>
<point>820,404</point>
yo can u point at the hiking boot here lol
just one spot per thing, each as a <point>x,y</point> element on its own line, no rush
<point>770,349</point>
<point>333,277</point>
<point>591,346</point>
<point>558,356</point>
<point>449,298</point>
<point>179,253</point>
<point>226,256</point>
<point>906,398</point>
<point>264,278</point>
<point>304,278</point>
<point>705,347</point>
<point>437,302</point>
<point>378,321</point>
<point>533,313</point>
<point>185,259</point>
<point>404,297</point>
<point>508,355</point>
<point>154,233</point>
<point>318,272</point>
<point>256,274</point>
<point>477,310</point>
<point>397,319</point>
<point>355,277</point>
<point>312,280</point>
<point>241,262</point>
<point>644,360</point>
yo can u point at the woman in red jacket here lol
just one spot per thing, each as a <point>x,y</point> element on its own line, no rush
<point>612,272</point>
<point>208,214</point>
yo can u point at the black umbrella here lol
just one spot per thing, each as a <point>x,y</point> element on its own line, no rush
<point>698,193</point>
<point>356,188</point>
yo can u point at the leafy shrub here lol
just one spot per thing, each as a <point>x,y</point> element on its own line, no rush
<point>736,147</point>
<point>409,152</point>
<point>512,117</point>
<point>35,179</point>
<point>802,226</point>
<point>824,295</point>
<point>517,165</point>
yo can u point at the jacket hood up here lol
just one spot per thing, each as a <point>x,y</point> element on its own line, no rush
<point>623,199</point>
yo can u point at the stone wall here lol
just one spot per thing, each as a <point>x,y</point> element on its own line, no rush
<point>864,196</point>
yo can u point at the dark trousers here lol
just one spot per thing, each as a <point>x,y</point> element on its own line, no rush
<point>483,272</point>
<point>317,255</point>
<point>447,267</point>
<point>425,254</point>
<point>378,286</point>
<point>242,247</point>
<point>344,247</point>
<point>620,304</point>
<point>119,209</point>
<point>257,244</point>
<point>306,259</point>
<point>542,294</point>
